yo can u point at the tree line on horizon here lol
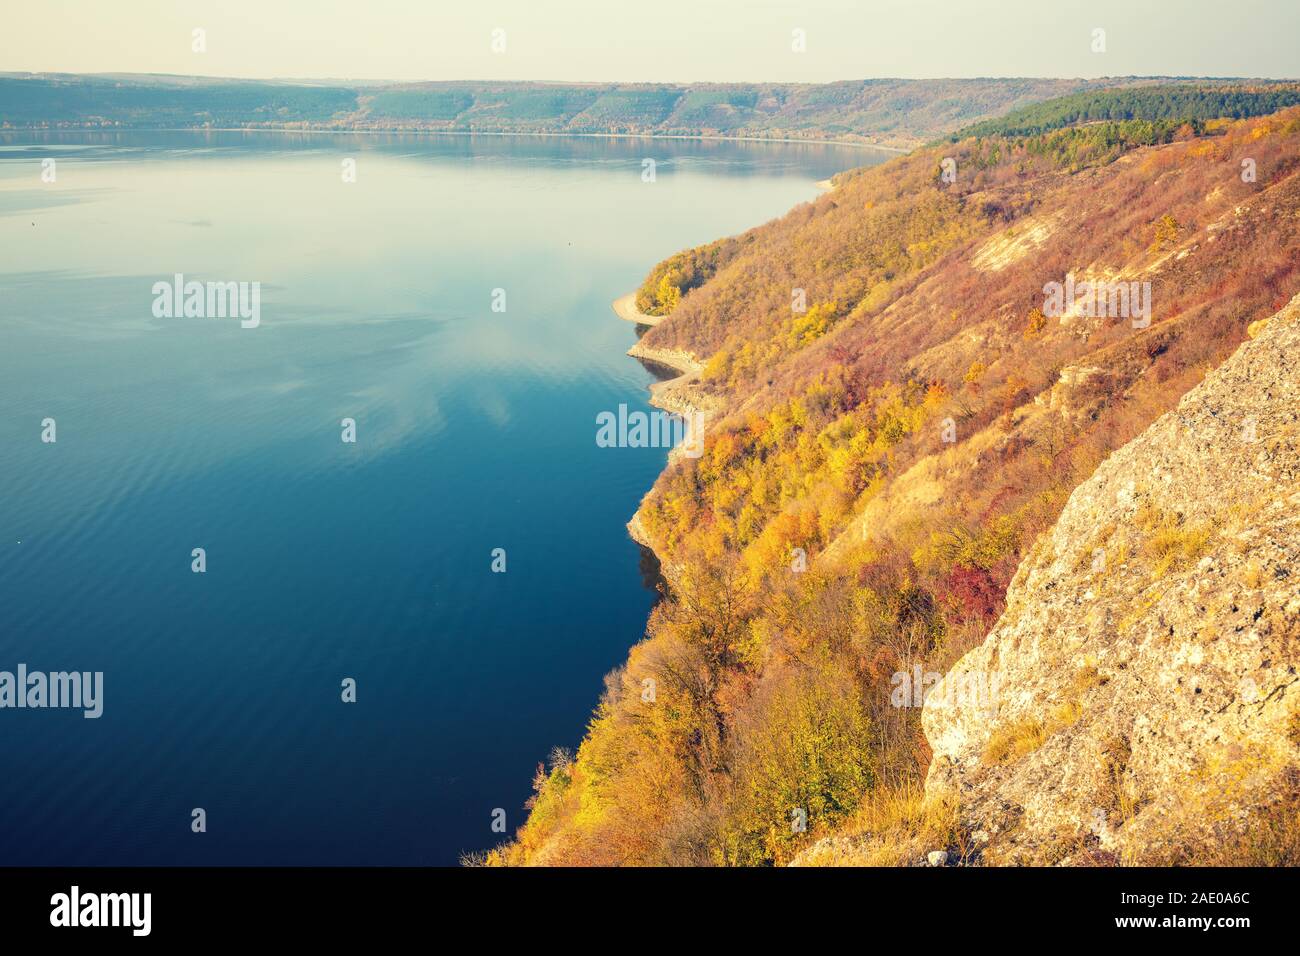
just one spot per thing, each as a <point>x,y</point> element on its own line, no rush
<point>891,112</point>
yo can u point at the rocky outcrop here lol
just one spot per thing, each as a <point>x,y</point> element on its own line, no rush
<point>1141,693</point>
<point>681,395</point>
<point>637,532</point>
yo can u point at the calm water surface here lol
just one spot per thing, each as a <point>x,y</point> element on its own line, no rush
<point>325,560</point>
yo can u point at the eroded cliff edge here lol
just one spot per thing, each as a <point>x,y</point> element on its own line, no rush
<point>1145,703</point>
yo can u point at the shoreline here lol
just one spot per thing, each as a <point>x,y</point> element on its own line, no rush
<point>625,305</point>
<point>664,394</point>
<point>625,308</point>
<point>389,131</point>
<point>680,361</point>
<point>672,394</point>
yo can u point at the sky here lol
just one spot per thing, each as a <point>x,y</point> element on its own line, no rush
<point>654,40</point>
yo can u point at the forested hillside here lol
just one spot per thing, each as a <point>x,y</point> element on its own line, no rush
<point>1152,103</point>
<point>900,113</point>
<point>903,412</point>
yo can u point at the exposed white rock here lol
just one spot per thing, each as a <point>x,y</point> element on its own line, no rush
<point>1150,700</point>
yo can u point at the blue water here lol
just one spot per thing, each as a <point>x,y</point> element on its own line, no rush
<point>325,560</point>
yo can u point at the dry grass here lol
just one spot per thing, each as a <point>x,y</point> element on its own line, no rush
<point>1172,540</point>
<point>1013,741</point>
<point>896,827</point>
<point>1120,799</point>
<point>1085,679</point>
<point>1021,738</point>
<point>1270,835</point>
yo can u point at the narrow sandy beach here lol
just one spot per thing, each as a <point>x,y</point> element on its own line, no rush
<point>625,308</point>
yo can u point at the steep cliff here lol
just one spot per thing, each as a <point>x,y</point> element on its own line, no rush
<point>1146,700</point>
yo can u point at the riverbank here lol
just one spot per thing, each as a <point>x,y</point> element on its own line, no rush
<point>669,394</point>
<point>681,395</point>
<point>625,305</point>
<point>394,130</point>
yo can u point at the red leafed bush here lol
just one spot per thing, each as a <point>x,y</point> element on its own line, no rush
<point>976,593</point>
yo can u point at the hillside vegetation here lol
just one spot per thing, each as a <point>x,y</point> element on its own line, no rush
<point>901,113</point>
<point>883,458</point>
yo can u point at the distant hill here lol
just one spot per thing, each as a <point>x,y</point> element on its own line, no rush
<point>886,112</point>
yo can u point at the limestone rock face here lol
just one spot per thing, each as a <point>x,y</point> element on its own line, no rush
<point>1141,692</point>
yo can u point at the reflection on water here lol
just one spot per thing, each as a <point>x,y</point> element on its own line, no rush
<point>326,560</point>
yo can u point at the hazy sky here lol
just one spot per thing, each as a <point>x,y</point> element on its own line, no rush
<point>662,40</point>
